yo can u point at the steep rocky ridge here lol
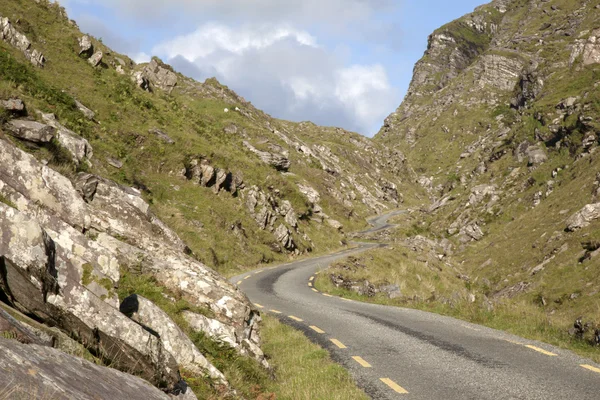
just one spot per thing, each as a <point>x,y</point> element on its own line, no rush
<point>500,125</point>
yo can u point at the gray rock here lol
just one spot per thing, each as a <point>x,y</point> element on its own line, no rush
<point>583,217</point>
<point>536,155</point>
<point>335,224</point>
<point>161,135</point>
<point>40,184</point>
<point>79,147</point>
<point>212,328</point>
<point>220,178</point>
<point>16,39</point>
<point>113,162</point>
<point>31,131</point>
<point>96,58</point>
<point>39,369</point>
<point>284,236</point>
<point>310,193</point>
<point>13,105</point>
<point>160,75</point>
<point>43,279</point>
<point>89,114</point>
<point>85,46</point>
<point>393,291</point>
<point>140,80</point>
<point>280,162</point>
<point>175,341</point>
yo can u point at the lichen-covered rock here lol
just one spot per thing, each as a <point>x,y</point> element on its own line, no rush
<point>175,341</point>
<point>584,217</point>
<point>43,279</point>
<point>39,183</point>
<point>13,105</point>
<point>9,34</point>
<point>161,135</point>
<point>89,114</point>
<point>96,58</point>
<point>160,75</point>
<point>140,80</point>
<point>278,161</point>
<point>31,131</point>
<point>86,47</point>
<point>79,147</point>
<point>36,370</point>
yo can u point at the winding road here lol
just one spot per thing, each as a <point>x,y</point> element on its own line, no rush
<point>398,353</point>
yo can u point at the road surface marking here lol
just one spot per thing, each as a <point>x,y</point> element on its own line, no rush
<point>540,350</point>
<point>309,284</point>
<point>315,290</point>
<point>317,273</point>
<point>338,343</point>
<point>275,311</point>
<point>361,361</point>
<point>316,329</point>
<point>346,299</point>
<point>327,295</point>
<point>312,278</point>
<point>591,368</point>
<point>257,272</point>
<point>258,305</point>
<point>394,386</point>
<point>248,277</point>
<point>239,283</point>
<point>295,318</point>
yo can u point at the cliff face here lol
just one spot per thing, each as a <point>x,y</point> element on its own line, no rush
<point>501,126</point>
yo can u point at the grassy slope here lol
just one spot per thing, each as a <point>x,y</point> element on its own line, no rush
<point>519,236</point>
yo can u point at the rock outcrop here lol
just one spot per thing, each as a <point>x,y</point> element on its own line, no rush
<point>160,75</point>
<point>39,370</point>
<point>9,34</point>
<point>31,131</point>
<point>279,161</point>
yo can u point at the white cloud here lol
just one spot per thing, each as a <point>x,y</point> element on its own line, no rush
<point>284,71</point>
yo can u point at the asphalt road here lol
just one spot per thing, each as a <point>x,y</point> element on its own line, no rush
<point>397,353</point>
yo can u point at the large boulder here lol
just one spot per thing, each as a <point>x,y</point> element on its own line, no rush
<point>175,341</point>
<point>86,47</point>
<point>31,131</point>
<point>42,279</point>
<point>36,370</point>
<point>583,217</point>
<point>89,114</point>
<point>96,59</point>
<point>160,75</point>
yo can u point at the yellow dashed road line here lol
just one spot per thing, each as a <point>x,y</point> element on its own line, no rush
<point>327,295</point>
<point>239,283</point>
<point>361,361</point>
<point>295,318</point>
<point>257,272</point>
<point>258,305</point>
<point>275,311</point>
<point>309,284</point>
<point>312,278</point>
<point>316,329</point>
<point>346,299</point>
<point>394,386</point>
<point>591,368</point>
<point>540,350</point>
<point>315,290</point>
<point>338,343</point>
<point>248,277</point>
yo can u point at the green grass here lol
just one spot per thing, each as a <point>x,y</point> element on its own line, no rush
<point>303,370</point>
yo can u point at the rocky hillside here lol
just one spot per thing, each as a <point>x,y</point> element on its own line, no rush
<point>501,125</point>
<point>239,187</point>
<point>124,187</point>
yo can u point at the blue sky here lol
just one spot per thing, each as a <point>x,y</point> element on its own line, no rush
<point>344,63</point>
